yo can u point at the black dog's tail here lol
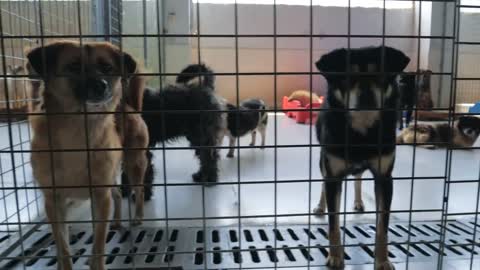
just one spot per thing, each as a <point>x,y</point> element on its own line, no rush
<point>199,72</point>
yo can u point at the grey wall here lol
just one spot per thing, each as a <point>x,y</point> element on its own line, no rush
<point>293,54</point>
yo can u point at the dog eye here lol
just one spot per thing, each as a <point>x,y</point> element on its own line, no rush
<point>105,68</point>
<point>74,67</point>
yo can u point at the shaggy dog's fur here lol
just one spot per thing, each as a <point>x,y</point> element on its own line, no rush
<point>250,116</point>
<point>189,110</point>
<point>358,133</point>
<point>82,78</point>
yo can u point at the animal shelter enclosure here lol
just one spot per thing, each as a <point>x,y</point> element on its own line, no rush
<point>259,213</point>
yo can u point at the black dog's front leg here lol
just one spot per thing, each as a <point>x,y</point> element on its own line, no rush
<point>383,197</point>
<point>333,170</point>
<point>207,153</point>
<point>382,171</point>
<point>333,192</point>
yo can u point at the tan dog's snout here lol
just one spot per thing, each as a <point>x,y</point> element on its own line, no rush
<point>96,91</point>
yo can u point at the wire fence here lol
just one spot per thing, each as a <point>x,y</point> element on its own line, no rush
<point>259,214</point>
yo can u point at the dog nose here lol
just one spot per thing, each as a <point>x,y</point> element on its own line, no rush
<point>100,86</point>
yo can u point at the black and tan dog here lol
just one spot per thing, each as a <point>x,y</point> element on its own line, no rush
<point>357,132</point>
<point>186,109</point>
<point>462,134</point>
<point>248,117</point>
<point>76,156</point>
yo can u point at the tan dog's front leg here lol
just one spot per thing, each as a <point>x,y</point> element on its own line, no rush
<point>55,209</point>
<point>117,209</point>
<point>136,167</point>
<point>101,211</point>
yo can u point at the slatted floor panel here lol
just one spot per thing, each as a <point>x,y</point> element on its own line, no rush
<point>252,247</point>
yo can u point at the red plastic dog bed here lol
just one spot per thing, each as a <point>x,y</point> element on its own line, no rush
<point>301,116</point>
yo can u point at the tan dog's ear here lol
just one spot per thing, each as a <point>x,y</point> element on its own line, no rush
<point>130,64</point>
<point>43,59</point>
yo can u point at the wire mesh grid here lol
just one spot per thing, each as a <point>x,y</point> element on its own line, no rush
<point>259,214</point>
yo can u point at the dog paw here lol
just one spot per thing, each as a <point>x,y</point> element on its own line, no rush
<point>116,226</point>
<point>209,184</point>
<point>387,265</point>
<point>359,206</point>
<point>136,222</point>
<point>319,211</point>
<point>148,196</point>
<point>197,177</point>
<point>230,155</point>
<point>335,262</point>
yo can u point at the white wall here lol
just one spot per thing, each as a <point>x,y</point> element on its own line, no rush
<point>293,54</point>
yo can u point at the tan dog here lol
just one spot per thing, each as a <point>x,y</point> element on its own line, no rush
<point>79,79</point>
<point>303,96</point>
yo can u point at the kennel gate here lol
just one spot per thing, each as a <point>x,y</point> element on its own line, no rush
<point>25,238</point>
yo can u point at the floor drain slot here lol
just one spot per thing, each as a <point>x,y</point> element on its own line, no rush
<point>272,254</point>
<point>199,237</point>
<point>112,255</point>
<point>233,236</point>
<point>323,232</point>
<point>248,235</point>
<point>217,256</point>
<point>174,236</point>
<point>417,248</point>
<point>215,236</point>
<point>289,253</point>
<point>278,235</point>
<point>434,248</point>
<point>151,257</point>
<point>309,234</point>
<point>129,258</point>
<point>158,236</point>
<point>305,253</point>
<point>263,235</point>
<point>199,256</point>
<point>169,254</point>
<point>419,230</point>
<point>237,256</point>
<point>348,232</point>
<point>404,250</point>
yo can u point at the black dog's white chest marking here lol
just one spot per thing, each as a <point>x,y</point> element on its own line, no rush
<point>362,120</point>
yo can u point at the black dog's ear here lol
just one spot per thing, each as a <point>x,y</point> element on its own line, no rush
<point>43,59</point>
<point>334,61</point>
<point>395,60</point>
